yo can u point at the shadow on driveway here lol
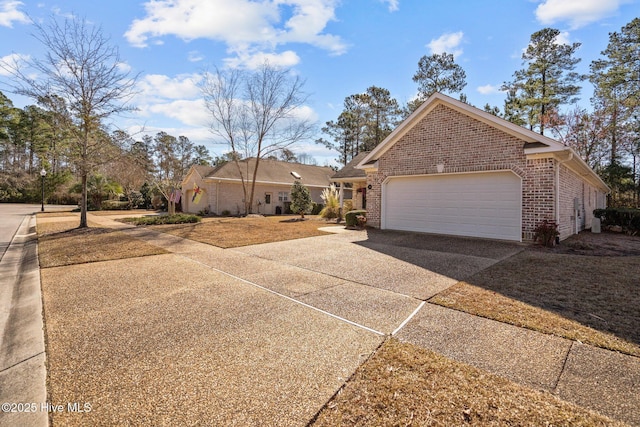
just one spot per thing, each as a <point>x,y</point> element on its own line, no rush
<point>454,257</point>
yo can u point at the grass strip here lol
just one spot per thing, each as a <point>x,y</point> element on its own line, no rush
<point>403,384</point>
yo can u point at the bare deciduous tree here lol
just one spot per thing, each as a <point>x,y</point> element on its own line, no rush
<point>257,114</point>
<point>84,70</point>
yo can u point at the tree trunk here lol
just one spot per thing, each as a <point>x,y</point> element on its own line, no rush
<point>83,206</point>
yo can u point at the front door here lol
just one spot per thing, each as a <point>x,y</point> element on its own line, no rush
<point>268,206</point>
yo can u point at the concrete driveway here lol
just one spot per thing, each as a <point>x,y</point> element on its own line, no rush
<point>264,334</point>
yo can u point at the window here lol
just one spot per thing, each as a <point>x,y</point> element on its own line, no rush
<point>267,198</point>
<point>283,196</point>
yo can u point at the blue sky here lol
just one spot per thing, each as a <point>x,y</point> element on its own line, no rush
<point>338,47</point>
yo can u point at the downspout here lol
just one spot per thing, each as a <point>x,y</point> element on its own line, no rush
<point>560,163</point>
<point>217,194</point>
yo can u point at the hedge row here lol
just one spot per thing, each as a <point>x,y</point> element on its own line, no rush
<point>627,218</point>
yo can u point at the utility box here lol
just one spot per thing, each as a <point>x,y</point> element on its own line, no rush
<point>595,225</point>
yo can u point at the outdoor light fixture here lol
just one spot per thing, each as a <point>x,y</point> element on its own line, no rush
<point>296,175</point>
<point>43,173</point>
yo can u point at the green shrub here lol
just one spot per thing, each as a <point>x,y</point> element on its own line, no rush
<point>226,212</point>
<point>627,218</point>
<point>164,219</point>
<point>115,205</point>
<point>317,208</point>
<point>356,218</point>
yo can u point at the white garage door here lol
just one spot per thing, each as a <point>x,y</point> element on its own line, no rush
<point>487,204</point>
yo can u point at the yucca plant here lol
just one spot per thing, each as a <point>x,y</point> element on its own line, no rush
<point>331,200</point>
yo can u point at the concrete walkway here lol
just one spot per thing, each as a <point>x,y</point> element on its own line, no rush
<point>370,284</point>
<point>339,296</point>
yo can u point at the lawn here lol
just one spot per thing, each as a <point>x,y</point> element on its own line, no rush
<point>402,384</point>
<point>60,242</point>
<point>234,232</point>
<point>591,299</point>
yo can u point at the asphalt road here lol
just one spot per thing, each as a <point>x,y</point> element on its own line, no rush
<point>11,216</point>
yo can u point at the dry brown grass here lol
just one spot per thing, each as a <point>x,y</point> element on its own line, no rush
<point>235,232</point>
<point>591,299</point>
<point>60,242</point>
<point>402,384</point>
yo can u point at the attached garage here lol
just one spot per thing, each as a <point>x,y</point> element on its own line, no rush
<point>451,168</point>
<point>470,204</point>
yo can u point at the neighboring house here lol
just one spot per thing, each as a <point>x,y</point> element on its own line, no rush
<point>221,187</point>
<point>451,168</point>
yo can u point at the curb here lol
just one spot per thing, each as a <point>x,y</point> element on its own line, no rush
<point>23,375</point>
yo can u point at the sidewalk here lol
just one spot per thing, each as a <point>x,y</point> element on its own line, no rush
<point>594,378</point>
<point>22,351</point>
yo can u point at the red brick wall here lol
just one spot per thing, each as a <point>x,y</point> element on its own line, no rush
<point>464,144</point>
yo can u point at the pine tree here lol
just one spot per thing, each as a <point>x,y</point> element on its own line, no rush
<point>547,82</point>
<point>437,73</point>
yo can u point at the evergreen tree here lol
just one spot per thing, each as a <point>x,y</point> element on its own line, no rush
<point>301,202</point>
<point>367,119</point>
<point>437,73</point>
<point>616,79</point>
<point>547,82</point>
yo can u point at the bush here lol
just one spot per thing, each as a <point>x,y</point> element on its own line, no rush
<point>546,233</point>
<point>164,219</point>
<point>627,218</point>
<point>317,208</point>
<point>331,199</point>
<point>115,205</point>
<point>356,218</point>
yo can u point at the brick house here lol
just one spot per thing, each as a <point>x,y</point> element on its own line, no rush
<point>221,186</point>
<point>451,168</point>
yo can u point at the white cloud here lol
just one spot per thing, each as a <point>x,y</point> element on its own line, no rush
<point>9,14</point>
<point>161,87</point>
<point>489,89</point>
<point>254,61</point>
<point>448,42</point>
<point>394,5</point>
<point>577,13</point>
<point>13,61</point>
<point>189,112</point>
<point>563,38</point>
<point>245,26</point>
<point>194,56</point>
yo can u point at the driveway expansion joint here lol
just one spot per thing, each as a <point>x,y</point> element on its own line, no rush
<point>366,328</point>
<point>564,366</point>
<point>8,368</point>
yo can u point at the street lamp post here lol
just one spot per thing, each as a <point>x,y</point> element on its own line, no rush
<point>43,173</point>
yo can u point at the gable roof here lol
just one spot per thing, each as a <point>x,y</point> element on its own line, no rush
<point>534,143</point>
<point>203,171</point>
<point>273,172</point>
<point>349,171</point>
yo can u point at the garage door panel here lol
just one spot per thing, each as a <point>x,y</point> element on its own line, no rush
<point>478,204</point>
